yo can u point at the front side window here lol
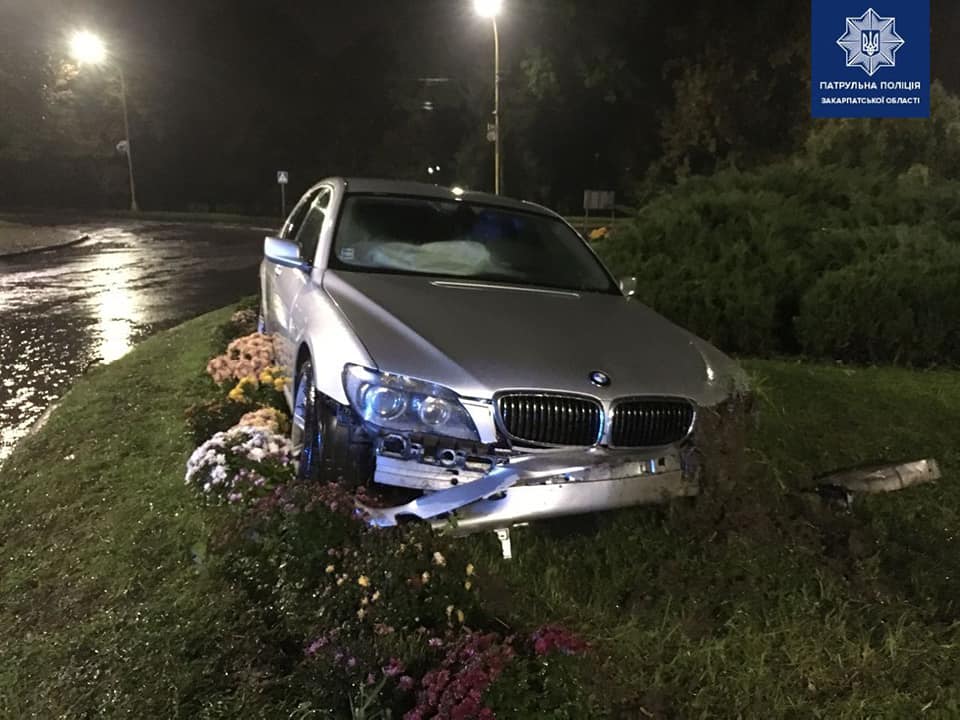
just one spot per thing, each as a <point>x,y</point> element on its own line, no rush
<point>450,239</point>
<point>308,235</point>
<point>299,214</point>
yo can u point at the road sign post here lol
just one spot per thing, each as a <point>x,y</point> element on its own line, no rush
<point>599,200</point>
<point>283,178</point>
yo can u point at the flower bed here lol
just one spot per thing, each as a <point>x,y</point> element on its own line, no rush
<point>390,621</point>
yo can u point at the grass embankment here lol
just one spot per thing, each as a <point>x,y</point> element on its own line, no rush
<point>770,608</point>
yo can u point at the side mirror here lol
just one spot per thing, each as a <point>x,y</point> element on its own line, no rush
<point>285,253</point>
<point>629,286</point>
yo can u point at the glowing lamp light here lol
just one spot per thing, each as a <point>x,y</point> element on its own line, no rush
<point>458,191</point>
<point>87,48</point>
<point>488,8</point>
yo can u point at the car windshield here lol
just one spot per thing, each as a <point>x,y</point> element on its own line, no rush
<point>451,239</point>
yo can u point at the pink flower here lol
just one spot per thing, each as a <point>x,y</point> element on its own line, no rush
<point>553,638</point>
<point>393,668</point>
<point>456,688</point>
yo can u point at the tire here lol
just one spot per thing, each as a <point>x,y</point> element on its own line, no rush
<point>325,446</point>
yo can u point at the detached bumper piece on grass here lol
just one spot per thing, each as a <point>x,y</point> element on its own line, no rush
<point>842,486</point>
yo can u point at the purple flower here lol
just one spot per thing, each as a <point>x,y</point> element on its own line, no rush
<point>393,668</point>
<point>314,647</point>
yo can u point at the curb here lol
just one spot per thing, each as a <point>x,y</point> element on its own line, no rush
<point>44,248</point>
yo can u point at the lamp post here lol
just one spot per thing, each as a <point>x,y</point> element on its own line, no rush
<point>88,49</point>
<point>491,9</point>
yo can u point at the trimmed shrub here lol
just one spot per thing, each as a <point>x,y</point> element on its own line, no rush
<point>901,306</point>
<point>732,256</point>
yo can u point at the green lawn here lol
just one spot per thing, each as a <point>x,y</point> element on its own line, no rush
<point>765,606</point>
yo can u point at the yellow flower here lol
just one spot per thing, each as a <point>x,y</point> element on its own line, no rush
<point>361,613</point>
<point>449,610</point>
<point>599,234</point>
<point>339,582</point>
<point>439,559</point>
<point>266,378</point>
<point>460,616</point>
<point>279,384</point>
<point>365,601</point>
<point>467,585</point>
<point>470,569</point>
<point>425,578</point>
<point>330,569</point>
<point>375,596</point>
<point>363,581</point>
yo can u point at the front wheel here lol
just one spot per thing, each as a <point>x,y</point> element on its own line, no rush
<point>327,449</point>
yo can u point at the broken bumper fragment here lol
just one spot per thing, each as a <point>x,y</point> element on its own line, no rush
<point>535,487</point>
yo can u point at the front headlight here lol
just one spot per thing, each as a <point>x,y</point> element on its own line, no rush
<point>402,404</point>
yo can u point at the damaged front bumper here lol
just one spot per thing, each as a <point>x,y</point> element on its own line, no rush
<point>522,488</point>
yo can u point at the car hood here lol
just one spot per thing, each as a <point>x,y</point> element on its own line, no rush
<point>480,339</point>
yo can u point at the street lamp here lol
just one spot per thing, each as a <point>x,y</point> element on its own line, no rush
<point>491,9</point>
<point>89,49</point>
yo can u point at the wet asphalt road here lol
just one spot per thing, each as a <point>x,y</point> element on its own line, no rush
<point>63,311</point>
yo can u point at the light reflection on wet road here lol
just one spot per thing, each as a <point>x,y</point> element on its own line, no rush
<point>63,311</point>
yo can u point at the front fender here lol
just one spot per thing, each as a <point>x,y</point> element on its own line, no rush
<point>318,325</point>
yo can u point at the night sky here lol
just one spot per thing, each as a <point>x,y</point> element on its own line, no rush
<point>225,92</point>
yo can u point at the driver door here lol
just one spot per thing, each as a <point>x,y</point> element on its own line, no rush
<point>291,283</point>
<point>274,315</point>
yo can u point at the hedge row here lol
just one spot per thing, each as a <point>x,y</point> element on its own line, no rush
<point>828,262</point>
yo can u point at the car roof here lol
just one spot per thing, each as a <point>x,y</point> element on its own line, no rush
<point>372,186</point>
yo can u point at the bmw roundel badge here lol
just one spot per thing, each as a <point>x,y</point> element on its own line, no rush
<point>600,379</point>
